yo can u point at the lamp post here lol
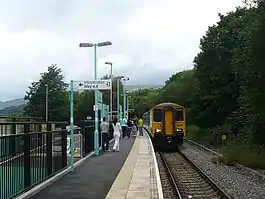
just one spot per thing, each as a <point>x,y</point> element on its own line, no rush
<point>109,63</point>
<point>124,96</point>
<point>46,104</point>
<point>95,45</point>
<point>127,94</point>
<point>118,78</point>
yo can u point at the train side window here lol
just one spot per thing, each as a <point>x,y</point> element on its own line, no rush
<point>158,115</point>
<point>179,115</point>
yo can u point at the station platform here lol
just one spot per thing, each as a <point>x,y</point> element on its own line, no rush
<point>139,176</point>
<point>130,173</point>
<point>92,179</point>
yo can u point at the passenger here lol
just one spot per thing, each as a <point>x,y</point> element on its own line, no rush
<point>116,134</point>
<point>140,123</point>
<point>124,127</point>
<point>134,129</point>
<point>129,129</point>
<point>104,126</point>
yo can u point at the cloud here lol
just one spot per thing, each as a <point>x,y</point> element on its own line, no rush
<point>151,39</point>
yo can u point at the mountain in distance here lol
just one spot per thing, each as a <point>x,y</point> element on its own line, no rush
<point>146,86</point>
<point>14,102</point>
<point>17,104</point>
<point>12,109</point>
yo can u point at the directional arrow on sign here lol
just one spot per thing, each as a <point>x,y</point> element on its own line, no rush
<point>81,84</point>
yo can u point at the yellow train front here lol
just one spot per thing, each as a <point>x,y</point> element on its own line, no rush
<point>166,124</point>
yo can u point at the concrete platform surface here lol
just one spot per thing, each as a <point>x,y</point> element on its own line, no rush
<point>139,176</point>
<point>92,179</point>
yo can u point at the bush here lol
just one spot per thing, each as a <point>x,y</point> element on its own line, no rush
<point>193,132</point>
<point>202,136</point>
<point>245,154</point>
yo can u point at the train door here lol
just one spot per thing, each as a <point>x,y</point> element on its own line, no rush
<point>169,124</point>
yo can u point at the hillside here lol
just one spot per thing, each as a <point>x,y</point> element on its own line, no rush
<point>16,105</point>
<point>14,102</point>
<point>12,109</point>
<point>147,86</point>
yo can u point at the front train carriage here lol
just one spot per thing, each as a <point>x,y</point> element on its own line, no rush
<point>168,125</point>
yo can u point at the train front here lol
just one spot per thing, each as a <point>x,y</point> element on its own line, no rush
<point>169,125</point>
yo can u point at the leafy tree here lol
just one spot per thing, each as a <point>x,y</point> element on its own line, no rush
<point>249,67</point>
<point>57,96</point>
<point>142,100</point>
<point>217,85</point>
<point>179,88</point>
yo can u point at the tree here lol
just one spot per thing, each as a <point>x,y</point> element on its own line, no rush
<point>57,96</point>
<point>217,92</point>
<point>142,100</point>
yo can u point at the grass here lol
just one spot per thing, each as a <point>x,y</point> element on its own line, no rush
<point>202,136</point>
<point>248,155</point>
<point>243,153</point>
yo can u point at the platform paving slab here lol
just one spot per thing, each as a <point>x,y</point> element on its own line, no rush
<point>137,177</point>
<point>92,179</point>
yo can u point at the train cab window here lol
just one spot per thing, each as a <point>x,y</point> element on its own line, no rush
<point>158,115</point>
<point>179,114</point>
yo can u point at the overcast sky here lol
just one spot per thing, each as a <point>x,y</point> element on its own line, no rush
<point>152,39</point>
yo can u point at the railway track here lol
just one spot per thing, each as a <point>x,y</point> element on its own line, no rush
<point>187,180</point>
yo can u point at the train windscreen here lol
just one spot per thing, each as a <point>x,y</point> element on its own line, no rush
<point>179,115</point>
<point>158,115</point>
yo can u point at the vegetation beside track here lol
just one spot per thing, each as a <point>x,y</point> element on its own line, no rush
<point>223,92</point>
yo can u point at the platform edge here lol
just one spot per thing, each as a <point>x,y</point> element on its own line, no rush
<point>56,177</point>
<point>158,181</point>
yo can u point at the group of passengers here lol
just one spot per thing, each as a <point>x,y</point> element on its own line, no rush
<point>126,129</point>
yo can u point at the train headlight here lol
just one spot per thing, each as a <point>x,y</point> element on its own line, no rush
<point>179,130</point>
<point>158,130</point>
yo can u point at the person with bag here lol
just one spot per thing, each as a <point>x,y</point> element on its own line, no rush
<point>116,134</point>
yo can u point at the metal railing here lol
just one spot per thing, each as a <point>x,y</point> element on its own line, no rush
<point>29,158</point>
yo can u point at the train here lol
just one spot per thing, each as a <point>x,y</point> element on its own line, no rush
<point>166,125</point>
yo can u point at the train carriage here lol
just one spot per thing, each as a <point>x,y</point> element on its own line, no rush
<point>166,124</point>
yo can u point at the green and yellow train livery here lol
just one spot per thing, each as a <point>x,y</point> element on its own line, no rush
<point>166,124</point>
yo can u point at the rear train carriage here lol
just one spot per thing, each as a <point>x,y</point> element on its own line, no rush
<point>166,124</point>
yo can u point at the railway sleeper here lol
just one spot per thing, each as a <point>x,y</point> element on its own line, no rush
<point>201,195</point>
<point>192,183</point>
<point>198,191</point>
<point>206,187</point>
<point>191,180</point>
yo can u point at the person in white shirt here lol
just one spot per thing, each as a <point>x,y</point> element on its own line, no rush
<point>116,134</point>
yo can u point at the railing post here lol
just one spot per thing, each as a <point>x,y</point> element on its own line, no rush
<point>13,139</point>
<point>27,166</point>
<point>49,149</point>
<point>99,131</point>
<point>64,146</point>
<point>82,126</point>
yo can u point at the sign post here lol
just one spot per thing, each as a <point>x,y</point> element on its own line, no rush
<point>72,123</point>
<point>89,85</point>
<point>120,114</point>
<point>118,99</point>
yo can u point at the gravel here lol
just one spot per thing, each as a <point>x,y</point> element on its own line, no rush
<point>237,183</point>
<point>168,189</point>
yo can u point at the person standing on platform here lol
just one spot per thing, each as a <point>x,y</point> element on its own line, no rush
<point>140,123</point>
<point>129,129</point>
<point>117,134</point>
<point>124,127</point>
<point>104,126</point>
